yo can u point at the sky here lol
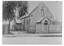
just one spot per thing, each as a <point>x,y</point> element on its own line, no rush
<point>54,6</point>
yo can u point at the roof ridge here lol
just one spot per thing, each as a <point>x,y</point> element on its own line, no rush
<point>35,8</point>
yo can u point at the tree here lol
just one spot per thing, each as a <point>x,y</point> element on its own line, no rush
<point>11,8</point>
<point>8,13</point>
<point>21,8</point>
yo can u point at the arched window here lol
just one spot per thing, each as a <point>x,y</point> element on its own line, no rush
<point>42,11</point>
<point>45,22</point>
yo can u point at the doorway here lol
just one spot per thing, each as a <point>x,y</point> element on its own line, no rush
<point>46,25</point>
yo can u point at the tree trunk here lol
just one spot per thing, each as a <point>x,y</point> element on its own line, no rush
<point>9,27</point>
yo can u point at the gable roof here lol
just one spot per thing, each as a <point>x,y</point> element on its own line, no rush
<point>43,4</point>
<point>39,21</point>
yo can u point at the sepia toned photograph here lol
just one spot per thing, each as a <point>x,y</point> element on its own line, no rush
<point>32,22</point>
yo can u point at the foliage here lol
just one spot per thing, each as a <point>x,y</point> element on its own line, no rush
<point>9,6</point>
<point>8,10</point>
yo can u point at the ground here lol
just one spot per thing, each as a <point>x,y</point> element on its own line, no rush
<point>32,40</point>
<point>22,38</point>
